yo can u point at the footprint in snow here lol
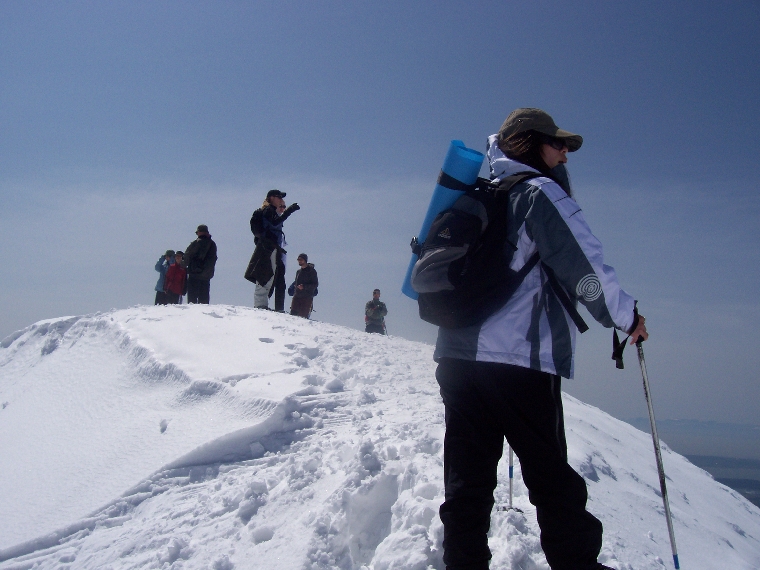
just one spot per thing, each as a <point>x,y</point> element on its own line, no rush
<point>266,340</point>
<point>163,425</point>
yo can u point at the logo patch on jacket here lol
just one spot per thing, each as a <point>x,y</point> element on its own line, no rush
<point>589,288</point>
<point>445,234</point>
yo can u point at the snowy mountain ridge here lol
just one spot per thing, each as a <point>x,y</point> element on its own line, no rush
<point>226,437</point>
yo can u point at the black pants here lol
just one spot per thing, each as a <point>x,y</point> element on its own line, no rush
<point>279,286</point>
<point>374,328</point>
<point>301,306</point>
<point>172,298</point>
<point>486,402</point>
<point>198,290</point>
<point>160,298</point>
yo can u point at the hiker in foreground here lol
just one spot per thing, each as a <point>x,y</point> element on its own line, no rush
<point>501,377</point>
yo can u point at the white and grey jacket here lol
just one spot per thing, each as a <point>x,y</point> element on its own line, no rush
<point>532,329</point>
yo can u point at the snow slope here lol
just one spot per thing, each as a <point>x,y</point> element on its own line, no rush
<point>225,437</point>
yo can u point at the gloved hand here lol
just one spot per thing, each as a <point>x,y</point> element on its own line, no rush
<point>292,208</point>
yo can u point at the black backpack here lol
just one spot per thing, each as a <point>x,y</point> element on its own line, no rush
<point>463,274</point>
<point>257,223</point>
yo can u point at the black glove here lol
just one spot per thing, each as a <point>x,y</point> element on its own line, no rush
<point>292,208</point>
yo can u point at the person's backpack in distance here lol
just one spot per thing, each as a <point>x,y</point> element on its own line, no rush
<point>257,223</point>
<point>463,275</point>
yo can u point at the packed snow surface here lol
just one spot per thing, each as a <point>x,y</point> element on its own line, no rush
<point>222,437</point>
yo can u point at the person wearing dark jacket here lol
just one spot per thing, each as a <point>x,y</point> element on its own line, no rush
<point>501,379</point>
<point>304,286</point>
<point>175,284</point>
<point>266,226</point>
<point>200,260</point>
<point>374,314</point>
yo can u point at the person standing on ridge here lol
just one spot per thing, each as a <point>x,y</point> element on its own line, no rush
<point>200,260</point>
<point>175,284</point>
<point>303,287</point>
<point>501,379</point>
<point>162,266</point>
<point>374,314</point>
<point>266,226</point>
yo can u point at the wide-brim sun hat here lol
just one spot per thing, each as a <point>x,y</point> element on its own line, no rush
<point>531,119</point>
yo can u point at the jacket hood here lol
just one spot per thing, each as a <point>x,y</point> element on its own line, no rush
<point>501,166</point>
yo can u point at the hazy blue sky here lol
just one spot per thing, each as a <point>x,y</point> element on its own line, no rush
<point>125,125</point>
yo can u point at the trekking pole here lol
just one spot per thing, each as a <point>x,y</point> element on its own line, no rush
<point>509,507</point>
<point>511,473</point>
<point>657,454</point>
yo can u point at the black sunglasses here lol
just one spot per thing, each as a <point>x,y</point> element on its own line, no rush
<point>554,142</point>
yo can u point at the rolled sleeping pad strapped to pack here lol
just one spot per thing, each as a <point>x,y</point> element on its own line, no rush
<point>460,170</point>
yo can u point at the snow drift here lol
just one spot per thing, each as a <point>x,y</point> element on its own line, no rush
<point>225,437</point>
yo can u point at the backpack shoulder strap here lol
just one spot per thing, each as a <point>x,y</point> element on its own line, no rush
<point>504,187</point>
<point>506,184</point>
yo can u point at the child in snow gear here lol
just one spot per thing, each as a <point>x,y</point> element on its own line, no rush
<point>175,284</point>
<point>266,226</point>
<point>374,314</point>
<point>501,377</point>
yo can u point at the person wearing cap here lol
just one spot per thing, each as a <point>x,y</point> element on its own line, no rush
<point>162,266</point>
<point>266,226</point>
<point>305,284</point>
<point>502,379</point>
<point>200,260</point>
<point>175,284</point>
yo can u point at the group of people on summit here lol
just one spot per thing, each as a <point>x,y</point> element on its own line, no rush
<point>187,273</point>
<point>190,272</point>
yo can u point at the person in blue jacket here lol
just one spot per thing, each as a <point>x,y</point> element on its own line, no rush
<point>162,266</point>
<point>502,379</point>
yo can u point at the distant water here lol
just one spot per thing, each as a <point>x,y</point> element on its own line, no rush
<point>742,475</point>
<point>728,452</point>
<point>693,437</point>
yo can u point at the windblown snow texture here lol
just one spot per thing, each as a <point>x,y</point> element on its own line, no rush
<point>224,437</point>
